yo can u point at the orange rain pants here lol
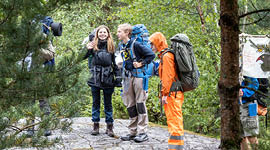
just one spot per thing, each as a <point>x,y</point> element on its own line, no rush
<point>173,108</point>
<point>173,111</point>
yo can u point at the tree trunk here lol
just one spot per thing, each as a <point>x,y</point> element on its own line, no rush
<point>229,75</point>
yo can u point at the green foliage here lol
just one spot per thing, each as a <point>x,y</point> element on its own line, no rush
<point>201,107</point>
<point>66,84</point>
<point>20,36</point>
<point>156,114</point>
<point>264,136</point>
<point>256,23</point>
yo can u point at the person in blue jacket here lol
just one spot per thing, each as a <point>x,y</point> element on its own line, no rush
<point>135,56</point>
<point>249,123</point>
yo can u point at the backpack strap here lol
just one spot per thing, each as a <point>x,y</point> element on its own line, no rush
<point>176,85</point>
<point>163,52</point>
<point>132,54</point>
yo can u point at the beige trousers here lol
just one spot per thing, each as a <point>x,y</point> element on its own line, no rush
<point>134,98</point>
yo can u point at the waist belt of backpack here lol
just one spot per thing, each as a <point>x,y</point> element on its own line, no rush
<point>176,86</point>
<point>140,73</point>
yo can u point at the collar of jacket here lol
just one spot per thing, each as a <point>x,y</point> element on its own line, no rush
<point>128,44</point>
<point>102,44</point>
<point>161,52</point>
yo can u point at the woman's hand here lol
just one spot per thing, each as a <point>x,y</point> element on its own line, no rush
<point>90,45</point>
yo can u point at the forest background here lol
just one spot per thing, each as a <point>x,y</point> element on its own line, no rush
<point>70,96</point>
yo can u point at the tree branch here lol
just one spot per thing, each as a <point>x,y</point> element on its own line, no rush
<point>254,12</point>
<point>9,14</point>
<point>200,13</point>
<point>261,18</point>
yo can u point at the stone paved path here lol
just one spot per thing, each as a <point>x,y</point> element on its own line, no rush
<point>80,139</point>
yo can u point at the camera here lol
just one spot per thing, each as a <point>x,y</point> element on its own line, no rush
<point>92,35</point>
<point>49,25</point>
<point>56,28</point>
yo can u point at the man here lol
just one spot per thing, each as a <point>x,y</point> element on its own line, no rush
<point>46,59</point>
<point>249,122</point>
<point>135,56</point>
<point>173,103</point>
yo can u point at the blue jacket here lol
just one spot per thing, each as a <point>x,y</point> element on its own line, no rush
<point>142,53</point>
<point>247,93</point>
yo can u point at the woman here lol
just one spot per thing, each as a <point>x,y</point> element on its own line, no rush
<point>102,70</point>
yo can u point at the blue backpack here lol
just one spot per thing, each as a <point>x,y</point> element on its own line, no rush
<point>141,35</point>
<point>48,21</point>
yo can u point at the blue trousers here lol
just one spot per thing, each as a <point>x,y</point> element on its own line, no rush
<point>108,110</point>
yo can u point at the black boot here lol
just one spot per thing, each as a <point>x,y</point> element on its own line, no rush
<point>109,130</point>
<point>30,132</point>
<point>47,132</point>
<point>95,131</point>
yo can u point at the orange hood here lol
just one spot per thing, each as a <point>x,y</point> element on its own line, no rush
<point>159,41</point>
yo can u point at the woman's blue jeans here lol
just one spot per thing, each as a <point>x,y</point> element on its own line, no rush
<point>107,93</point>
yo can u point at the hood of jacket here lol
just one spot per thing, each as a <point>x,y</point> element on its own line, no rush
<point>159,41</point>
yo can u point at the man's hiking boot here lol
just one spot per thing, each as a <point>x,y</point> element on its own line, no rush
<point>109,130</point>
<point>127,137</point>
<point>30,132</point>
<point>47,132</point>
<point>141,138</point>
<point>95,131</point>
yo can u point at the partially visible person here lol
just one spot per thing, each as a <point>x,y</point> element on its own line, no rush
<point>45,58</point>
<point>135,56</point>
<point>173,102</point>
<point>102,71</point>
<point>249,122</point>
<point>264,89</point>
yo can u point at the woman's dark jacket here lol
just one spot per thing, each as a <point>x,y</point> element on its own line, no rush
<point>103,68</point>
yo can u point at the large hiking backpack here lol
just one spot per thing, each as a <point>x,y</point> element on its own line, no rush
<point>261,96</point>
<point>48,25</point>
<point>140,34</point>
<point>186,67</point>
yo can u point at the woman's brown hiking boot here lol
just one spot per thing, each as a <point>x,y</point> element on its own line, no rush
<point>109,130</point>
<point>95,131</point>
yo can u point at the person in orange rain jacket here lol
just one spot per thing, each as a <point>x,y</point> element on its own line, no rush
<point>173,103</point>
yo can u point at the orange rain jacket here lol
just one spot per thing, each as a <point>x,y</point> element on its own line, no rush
<point>167,70</point>
<point>173,109</point>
